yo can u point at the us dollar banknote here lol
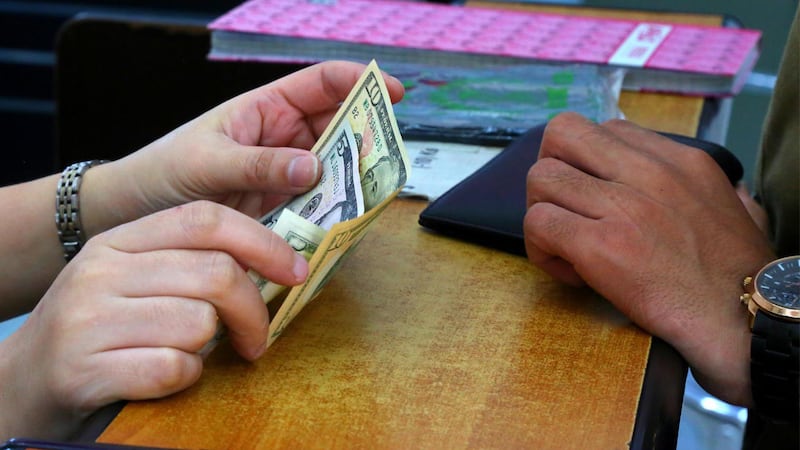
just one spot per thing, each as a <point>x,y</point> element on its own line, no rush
<point>365,165</point>
<point>383,161</point>
<point>302,235</point>
<point>339,241</point>
<point>338,196</point>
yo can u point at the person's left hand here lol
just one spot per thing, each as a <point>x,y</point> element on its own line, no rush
<point>249,153</point>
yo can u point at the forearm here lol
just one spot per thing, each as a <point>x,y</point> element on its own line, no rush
<point>30,253</point>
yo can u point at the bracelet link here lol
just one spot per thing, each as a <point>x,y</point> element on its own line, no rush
<point>68,210</point>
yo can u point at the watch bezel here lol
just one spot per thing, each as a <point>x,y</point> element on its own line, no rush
<point>759,302</point>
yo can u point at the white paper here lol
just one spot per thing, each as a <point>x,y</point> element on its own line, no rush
<point>438,166</point>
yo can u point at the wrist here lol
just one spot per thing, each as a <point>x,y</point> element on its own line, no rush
<point>720,360</point>
<point>101,197</point>
<point>121,191</point>
<point>714,336</point>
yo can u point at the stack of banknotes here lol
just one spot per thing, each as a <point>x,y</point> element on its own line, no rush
<point>364,166</point>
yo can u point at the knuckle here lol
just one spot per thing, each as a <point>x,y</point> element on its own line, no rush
<point>542,170</point>
<point>697,171</point>
<point>546,168</point>
<point>200,219</point>
<point>88,271</point>
<point>595,136</point>
<point>85,277</point>
<point>538,219</point>
<point>257,167</point>
<point>700,160</point>
<point>618,124</point>
<point>197,321</point>
<point>530,221</point>
<point>220,270</point>
<point>565,119</point>
<point>167,371</point>
<point>632,132</point>
<point>277,247</point>
<point>555,132</point>
<point>206,322</point>
<point>571,129</point>
<point>555,177</point>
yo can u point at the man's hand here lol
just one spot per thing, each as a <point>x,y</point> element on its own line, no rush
<point>656,228</point>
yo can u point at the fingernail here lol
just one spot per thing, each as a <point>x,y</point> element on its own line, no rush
<point>302,170</point>
<point>300,269</point>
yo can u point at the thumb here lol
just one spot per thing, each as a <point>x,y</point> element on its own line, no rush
<point>278,170</point>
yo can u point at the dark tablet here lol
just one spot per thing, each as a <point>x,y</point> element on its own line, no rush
<point>489,206</point>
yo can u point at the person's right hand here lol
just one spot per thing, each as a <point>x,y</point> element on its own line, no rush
<point>126,318</point>
<point>656,228</point>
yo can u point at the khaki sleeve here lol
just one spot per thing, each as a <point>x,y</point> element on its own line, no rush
<point>777,174</point>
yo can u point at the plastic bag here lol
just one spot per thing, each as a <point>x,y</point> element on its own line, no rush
<point>501,101</point>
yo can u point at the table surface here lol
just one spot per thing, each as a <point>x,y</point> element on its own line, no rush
<point>422,341</point>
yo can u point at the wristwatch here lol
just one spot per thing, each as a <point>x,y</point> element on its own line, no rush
<point>773,300</point>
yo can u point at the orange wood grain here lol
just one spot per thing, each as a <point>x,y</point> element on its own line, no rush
<point>419,341</point>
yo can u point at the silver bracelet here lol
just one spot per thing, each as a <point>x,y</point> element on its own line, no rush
<point>68,208</point>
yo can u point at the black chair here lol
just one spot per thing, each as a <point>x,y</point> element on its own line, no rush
<point>122,82</point>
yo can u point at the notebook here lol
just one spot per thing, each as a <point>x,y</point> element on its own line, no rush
<point>657,56</point>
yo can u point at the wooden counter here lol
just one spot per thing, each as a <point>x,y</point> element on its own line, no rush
<point>419,341</point>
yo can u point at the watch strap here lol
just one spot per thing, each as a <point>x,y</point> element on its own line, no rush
<point>68,209</point>
<point>775,368</point>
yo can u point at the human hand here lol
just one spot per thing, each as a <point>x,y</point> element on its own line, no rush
<point>656,228</point>
<point>126,318</point>
<point>249,153</point>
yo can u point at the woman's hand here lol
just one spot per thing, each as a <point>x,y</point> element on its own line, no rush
<point>172,237</point>
<point>126,318</point>
<point>250,153</point>
<point>656,228</point>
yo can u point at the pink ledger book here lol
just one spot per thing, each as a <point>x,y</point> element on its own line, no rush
<point>697,60</point>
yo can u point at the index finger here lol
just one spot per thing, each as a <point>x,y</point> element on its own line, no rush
<point>204,225</point>
<point>592,148</point>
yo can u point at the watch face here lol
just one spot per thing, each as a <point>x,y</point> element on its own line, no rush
<point>779,282</point>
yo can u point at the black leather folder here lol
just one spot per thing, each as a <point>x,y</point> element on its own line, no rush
<point>488,207</point>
